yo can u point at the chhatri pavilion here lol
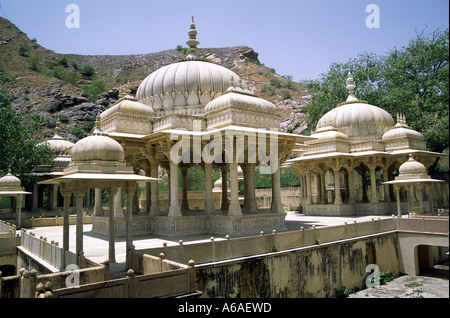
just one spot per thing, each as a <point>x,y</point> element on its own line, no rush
<point>355,142</point>
<point>195,112</point>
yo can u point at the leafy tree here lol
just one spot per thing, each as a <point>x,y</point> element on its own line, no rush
<point>413,80</point>
<point>20,150</point>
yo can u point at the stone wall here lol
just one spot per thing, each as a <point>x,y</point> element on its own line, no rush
<point>315,271</point>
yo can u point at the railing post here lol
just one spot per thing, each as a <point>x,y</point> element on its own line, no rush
<point>131,283</point>
<point>192,276</point>
<point>213,249</point>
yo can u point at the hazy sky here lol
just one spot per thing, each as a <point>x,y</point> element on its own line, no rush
<point>300,38</point>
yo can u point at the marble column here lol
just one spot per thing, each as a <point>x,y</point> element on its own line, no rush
<point>118,210</point>
<point>308,188</point>
<point>111,232</point>
<point>98,210</point>
<point>130,193</point>
<point>174,208</point>
<point>19,210</point>
<point>397,192</point>
<point>154,207</point>
<point>337,186</point>
<point>234,207</point>
<point>79,195</point>
<point>209,203</point>
<point>65,245</point>
<point>277,206</point>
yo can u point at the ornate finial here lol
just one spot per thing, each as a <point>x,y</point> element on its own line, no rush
<point>97,130</point>
<point>58,127</point>
<point>350,87</point>
<point>192,42</point>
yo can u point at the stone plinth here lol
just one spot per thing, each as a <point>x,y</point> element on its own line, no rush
<point>193,224</point>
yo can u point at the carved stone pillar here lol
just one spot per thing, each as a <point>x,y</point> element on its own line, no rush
<point>174,208</point>
<point>111,232</point>
<point>234,207</point>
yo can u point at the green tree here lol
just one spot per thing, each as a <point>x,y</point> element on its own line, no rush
<point>20,148</point>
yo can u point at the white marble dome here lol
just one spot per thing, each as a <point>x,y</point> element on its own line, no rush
<point>186,83</point>
<point>10,183</point>
<point>97,147</point>
<point>412,167</point>
<point>128,105</point>
<point>359,120</point>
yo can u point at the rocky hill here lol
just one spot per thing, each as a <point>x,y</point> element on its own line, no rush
<point>74,88</point>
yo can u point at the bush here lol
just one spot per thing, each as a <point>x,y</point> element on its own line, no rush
<point>33,62</point>
<point>23,50</point>
<point>87,70</point>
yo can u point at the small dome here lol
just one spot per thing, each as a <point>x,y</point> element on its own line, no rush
<point>10,183</point>
<point>97,147</point>
<point>59,144</point>
<point>128,105</point>
<point>402,130</point>
<point>238,97</point>
<point>412,167</point>
<point>329,134</point>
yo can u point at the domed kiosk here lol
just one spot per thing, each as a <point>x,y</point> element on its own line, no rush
<point>11,186</point>
<point>98,161</point>
<point>352,141</point>
<point>201,113</point>
<point>413,173</point>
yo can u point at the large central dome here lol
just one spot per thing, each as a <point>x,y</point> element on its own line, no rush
<point>185,87</point>
<point>187,83</point>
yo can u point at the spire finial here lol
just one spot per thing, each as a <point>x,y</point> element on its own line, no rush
<point>192,42</point>
<point>350,87</point>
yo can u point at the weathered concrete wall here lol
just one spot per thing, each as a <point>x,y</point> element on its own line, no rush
<point>316,271</point>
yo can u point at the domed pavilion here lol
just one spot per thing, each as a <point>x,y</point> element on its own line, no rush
<point>355,143</point>
<point>195,112</point>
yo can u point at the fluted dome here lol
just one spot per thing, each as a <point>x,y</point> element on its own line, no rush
<point>357,119</point>
<point>58,144</point>
<point>128,105</point>
<point>10,183</point>
<point>238,97</point>
<point>402,130</point>
<point>186,83</point>
<point>412,167</point>
<point>329,133</point>
<point>97,147</point>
